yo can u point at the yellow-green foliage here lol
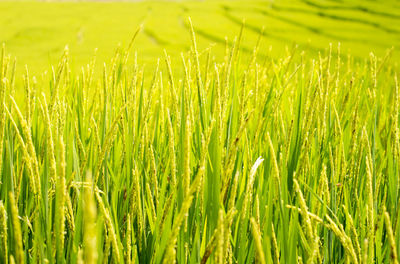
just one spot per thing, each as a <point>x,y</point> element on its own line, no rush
<point>243,160</point>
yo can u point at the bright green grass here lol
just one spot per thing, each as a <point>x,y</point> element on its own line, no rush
<point>294,159</point>
<point>37,32</point>
<point>240,154</point>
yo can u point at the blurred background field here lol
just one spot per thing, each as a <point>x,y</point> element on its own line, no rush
<point>37,32</point>
<point>261,162</point>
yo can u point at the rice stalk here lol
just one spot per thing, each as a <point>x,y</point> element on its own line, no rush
<point>343,238</point>
<point>311,236</point>
<point>249,190</point>
<point>392,241</point>
<point>257,238</point>
<point>274,245</point>
<point>110,228</point>
<point>59,217</point>
<point>3,234</point>
<point>18,247</point>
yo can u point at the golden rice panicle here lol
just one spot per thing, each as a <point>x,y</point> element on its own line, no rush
<point>234,187</point>
<point>255,230</point>
<point>153,173</point>
<point>370,212</point>
<point>275,245</point>
<point>107,247</point>
<point>50,142</point>
<point>69,214</point>
<point>26,131</point>
<point>110,228</point>
<point>108,143</point>
<point>395,113</point>
<point>60,204</point>
<point>343,238</point>
<point>213,240</point>
<point>187,154</point>
<point>219,254</point>
<point>81,148</point>
<point>151,202</point>
<point>3,234</point>
<point>161,106</point>
<point>218,111</point>
<point>37,241</point>
<point>19,250</point>
<point>143,141</point>
<point>166,210</point>
<point>392,240</point>
<point>26,157</point>
<point>3,84</point>
<point>228,246</point>
<point>95,130</point>
<point>96,134</point>
<point>353,229</point>
<point>257,213</point>
<point>90,224</point>
<point>205,140</point>
<point>210,247</point>
<point>29,151</point>
<point>326,191</point>
<point>242,96</point>
<point>249,190</point>
<point>170,253</point>
<point>229,160</point>
<point>170,75</point>
<point>338,64</point>
<point>128,234</point>
<point>312,238</point>
<point>365,252</point>
<point>136,203</point>
<point>62,115</point>
<point>196,55</point>
<point>275,162</point>
<point>171,146</point>
<point>28,96</point>
<point>373,70</point>
<point>323,190</point>
<point>173,95</point>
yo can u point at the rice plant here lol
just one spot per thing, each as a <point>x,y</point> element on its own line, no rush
<point>246,160</point>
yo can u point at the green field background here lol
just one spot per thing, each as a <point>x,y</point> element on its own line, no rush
<point>37,32</point>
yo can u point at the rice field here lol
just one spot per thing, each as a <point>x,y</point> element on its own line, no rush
<point>37,32</point>
<point>247,151</point>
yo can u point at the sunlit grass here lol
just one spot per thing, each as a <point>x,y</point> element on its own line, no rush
<point>237,160</point>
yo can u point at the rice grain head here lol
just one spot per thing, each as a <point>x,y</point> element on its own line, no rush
<point>19,250</point>
<point>3,233</point>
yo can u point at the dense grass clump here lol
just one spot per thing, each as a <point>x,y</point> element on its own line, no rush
<point>291,160</point>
